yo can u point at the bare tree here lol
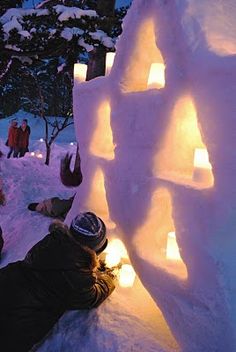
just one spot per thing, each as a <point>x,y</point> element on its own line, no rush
<point>56,126</point>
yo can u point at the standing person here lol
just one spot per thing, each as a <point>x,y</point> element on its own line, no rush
<point>2,196</point>
<point>12,139</point>
<point>59,273</point>
<point>29,131</point>
<point>23,138</point>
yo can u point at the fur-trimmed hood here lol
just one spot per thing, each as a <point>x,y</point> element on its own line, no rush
<point>60,251</point>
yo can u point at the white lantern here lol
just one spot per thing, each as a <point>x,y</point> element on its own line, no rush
<point>109,62</point>
<point>156,77</point>
<point>32,153</point>
<point>41,140</point>
<point>80,72</point>
<point>172,249</point>
<point>202,166</point>
<point>115,251</point>
<point>126,276</point>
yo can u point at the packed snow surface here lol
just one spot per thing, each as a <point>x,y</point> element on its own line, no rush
<point>129,320</point>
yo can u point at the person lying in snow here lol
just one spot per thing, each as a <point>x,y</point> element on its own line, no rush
<point>59,273</point>
<point>56,207</point>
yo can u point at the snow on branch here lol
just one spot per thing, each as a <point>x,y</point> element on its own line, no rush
<point>65,13</point>
<point>34,31</point>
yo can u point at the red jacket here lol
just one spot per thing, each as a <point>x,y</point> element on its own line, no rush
<point>23,138</point>
<point>13,137</point>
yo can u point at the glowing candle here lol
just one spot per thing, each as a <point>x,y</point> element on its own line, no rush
<point>126,275</point>
<point>80,72</point>
<point>32,153</point>
<point>41,140</point>
<point>172,249</point>
<point>156,77</point>
<point>202,166</point>
<point>115,251</point>
<point>109,62</point>
<point>40,156</point>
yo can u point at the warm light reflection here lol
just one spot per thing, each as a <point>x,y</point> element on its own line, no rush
<point>137,73</point>
<point>109,62</point>
<point>40,156</point>
<point>201,158</point>
<point>126,276</point>
<point>80,72</point>
<point>102,140</point>
<point>151,241</point>
<point>115,251</point>
<point>156,77</point>
<point>175,158</point>
<point>97,200</point>
<point>172,249</point>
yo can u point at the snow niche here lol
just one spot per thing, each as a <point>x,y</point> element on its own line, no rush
<point>157,142</point>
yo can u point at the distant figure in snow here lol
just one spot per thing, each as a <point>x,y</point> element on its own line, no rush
<point>56,207</point>
<point>59,273</point>
<point>12,139</point>
<point>23,138</point>
<point>2,196</point>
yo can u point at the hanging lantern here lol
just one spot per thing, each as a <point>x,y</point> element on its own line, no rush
<point>172,249</point>
<point>80,72</point>
<point>109,62</point>
<point>126,275</point>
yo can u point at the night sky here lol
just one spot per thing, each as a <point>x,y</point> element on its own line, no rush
<point>119,3</point>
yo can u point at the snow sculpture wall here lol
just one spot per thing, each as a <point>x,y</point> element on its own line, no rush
<point>140,152</point>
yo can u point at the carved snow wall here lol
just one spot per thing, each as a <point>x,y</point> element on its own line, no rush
<point>157,139</point>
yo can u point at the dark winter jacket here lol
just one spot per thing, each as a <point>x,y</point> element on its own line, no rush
<point>56,275</point>
<point>12,140</point>
<point>23,138</point>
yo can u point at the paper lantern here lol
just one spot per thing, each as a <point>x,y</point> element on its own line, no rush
<point>202,166</point>
<point>156,77</point>
<point>115,251</point>
<point>172,249</point>
<point>109,62</point>
<point>80,72</point>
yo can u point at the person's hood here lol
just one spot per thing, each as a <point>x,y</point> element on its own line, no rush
<point>59,251</point>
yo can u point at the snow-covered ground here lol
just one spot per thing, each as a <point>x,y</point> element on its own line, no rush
<point>129,320</point>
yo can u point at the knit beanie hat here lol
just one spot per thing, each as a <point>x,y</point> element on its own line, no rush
<point>89,230</point>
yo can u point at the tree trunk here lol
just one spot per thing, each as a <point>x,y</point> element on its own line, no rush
<point>48,153</point>
<point>97,57</point>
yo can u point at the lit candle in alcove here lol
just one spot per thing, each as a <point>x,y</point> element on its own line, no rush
<point>172,249</point>
<point>156,77</point>
<point>114,252</point>
<point>202,166</point>
<point>109,62</point>
<point>80,72</point>
<point>126,275</point>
